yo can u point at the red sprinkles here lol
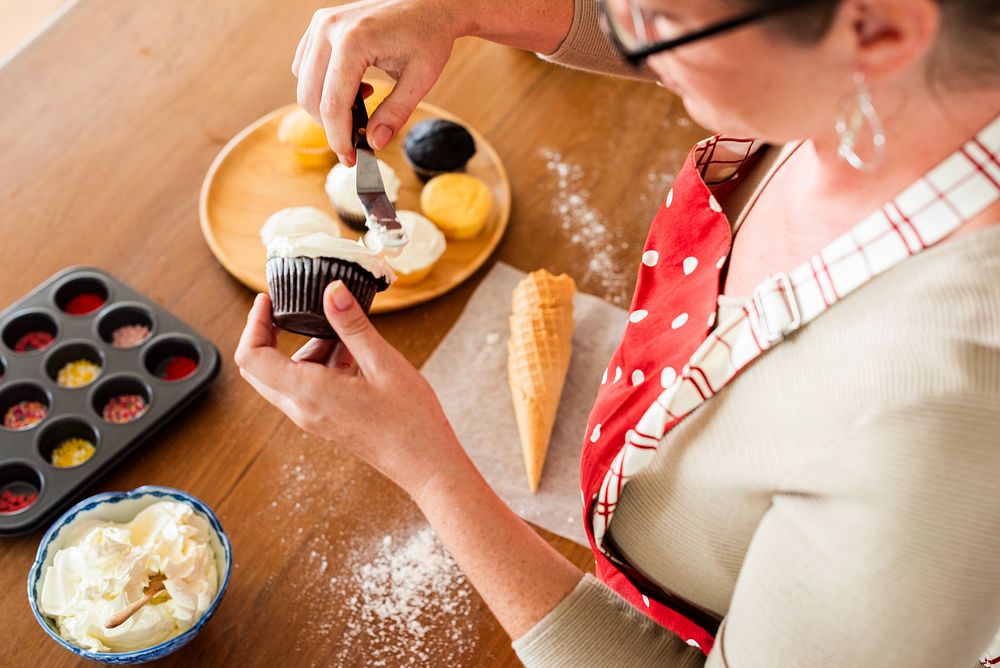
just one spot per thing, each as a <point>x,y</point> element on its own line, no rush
<point>124,408</point>
<point>33,341</point>
<point>85,303</point>
<point>176,368</point>
<point>11,501</point>
<point>24,414</point>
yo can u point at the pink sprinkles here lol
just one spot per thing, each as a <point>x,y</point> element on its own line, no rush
<point>25,414</point>
<point>124,408</point>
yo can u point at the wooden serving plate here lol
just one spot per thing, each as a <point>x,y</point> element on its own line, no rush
<point>255,175</point>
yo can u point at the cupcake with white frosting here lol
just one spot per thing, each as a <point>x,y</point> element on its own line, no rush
<point>425,247</point>
<point>304,255</point>
<point>342,189</point>
<point>303,219</point>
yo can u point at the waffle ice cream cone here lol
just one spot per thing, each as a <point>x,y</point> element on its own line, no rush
<point>538,354</point>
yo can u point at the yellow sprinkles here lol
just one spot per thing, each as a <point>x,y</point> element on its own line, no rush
<point>78,374</point>
<point>72,452</point>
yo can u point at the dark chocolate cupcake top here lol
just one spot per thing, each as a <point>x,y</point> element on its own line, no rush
<point>438,144</point>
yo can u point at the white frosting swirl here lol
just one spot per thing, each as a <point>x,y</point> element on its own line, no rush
<point>296,221</point>
<point>104,566</point>
<point>342,187</point>
<point>287,235</point>
<point>426,243</point>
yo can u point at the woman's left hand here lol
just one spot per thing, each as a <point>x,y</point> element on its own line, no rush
<point>384,411</point>
<point>361,394</point>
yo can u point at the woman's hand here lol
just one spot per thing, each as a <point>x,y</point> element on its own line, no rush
<point>382,409</point>
<point>361,394</point>
<point>410,40</point>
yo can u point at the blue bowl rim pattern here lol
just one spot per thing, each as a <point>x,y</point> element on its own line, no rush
<point>167,646</point>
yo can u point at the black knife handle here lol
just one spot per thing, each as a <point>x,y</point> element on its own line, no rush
<point>359,122</point>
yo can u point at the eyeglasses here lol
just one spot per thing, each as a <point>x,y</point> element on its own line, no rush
<point>639,33</point>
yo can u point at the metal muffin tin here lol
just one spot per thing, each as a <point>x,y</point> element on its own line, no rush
<point>25,453</point>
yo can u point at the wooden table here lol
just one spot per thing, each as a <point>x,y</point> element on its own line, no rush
<point>110,120</point>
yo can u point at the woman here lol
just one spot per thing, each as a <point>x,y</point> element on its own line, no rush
<point>834,505</point>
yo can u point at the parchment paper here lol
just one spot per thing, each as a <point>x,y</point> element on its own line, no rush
<point>469,372</point>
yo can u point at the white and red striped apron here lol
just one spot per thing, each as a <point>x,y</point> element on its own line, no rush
<point>672,357</point>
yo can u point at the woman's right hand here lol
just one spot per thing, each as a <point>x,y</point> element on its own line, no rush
<point>410,40</point>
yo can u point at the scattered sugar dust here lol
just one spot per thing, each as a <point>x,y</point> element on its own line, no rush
<point>411,607</point>
<point>587,227</point>
<point>399,600</point>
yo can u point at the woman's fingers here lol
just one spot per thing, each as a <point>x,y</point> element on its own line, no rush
<point>309,91</point>
<point>317,351</point>
<point>342,358</point>
<point>340,87</point>
<point>259,330</point>
<point>256,353</point>
<point>339,46</point>
<point>302,48</point>
<point>392,114</point>
<point>273,397</point>
<point>355,330</point>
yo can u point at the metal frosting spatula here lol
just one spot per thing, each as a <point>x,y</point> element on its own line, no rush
<point>381,216</point>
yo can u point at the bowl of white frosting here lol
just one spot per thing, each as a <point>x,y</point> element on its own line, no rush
<point>98,558</point>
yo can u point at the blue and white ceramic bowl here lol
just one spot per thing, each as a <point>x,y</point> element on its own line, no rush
<point>122,507</point>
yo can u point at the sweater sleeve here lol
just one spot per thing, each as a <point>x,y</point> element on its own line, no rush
<point>594,626</point>
<point>586,48</point>
<point>884,552</point>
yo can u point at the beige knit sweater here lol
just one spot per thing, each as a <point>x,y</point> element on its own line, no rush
<point>838,504</point>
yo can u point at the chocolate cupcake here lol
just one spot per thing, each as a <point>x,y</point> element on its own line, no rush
<point>342,189</point>
<point>437,146</point>
<point>302,261</point>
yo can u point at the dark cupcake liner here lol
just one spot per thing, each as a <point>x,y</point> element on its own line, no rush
<point>353,220</point>
<point>297,284</point>
<point>426,175</point>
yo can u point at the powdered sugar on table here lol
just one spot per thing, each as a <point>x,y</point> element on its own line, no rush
<point>587,227</point>
<point>410,585</point>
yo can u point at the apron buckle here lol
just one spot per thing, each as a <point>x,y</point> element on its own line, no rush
<point>776,307</point>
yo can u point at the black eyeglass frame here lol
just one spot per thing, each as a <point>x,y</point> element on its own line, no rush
<point>635,58</point>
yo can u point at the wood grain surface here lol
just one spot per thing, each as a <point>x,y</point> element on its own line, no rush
<point>110,121</point>
<point>255,175</point>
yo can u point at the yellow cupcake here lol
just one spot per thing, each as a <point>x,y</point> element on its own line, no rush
<point>458,204</point>
<point>306,138</point>
<point>380,92</point>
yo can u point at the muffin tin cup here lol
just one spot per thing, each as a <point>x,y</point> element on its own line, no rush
<point>52,435</point>
<point>77,412</point>
<point>124,314</point>
<point>81,285</point>
<point>161,358</point>
<point>15,393</point>
<point>115,387</point>
<point>20,478</point>
<point>59,356</point>
<point>27,322</point>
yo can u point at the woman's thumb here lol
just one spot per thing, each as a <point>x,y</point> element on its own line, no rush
<point>395,110</point>
<point>352,325</point>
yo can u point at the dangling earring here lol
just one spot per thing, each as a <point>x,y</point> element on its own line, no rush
<point>852,114</point>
